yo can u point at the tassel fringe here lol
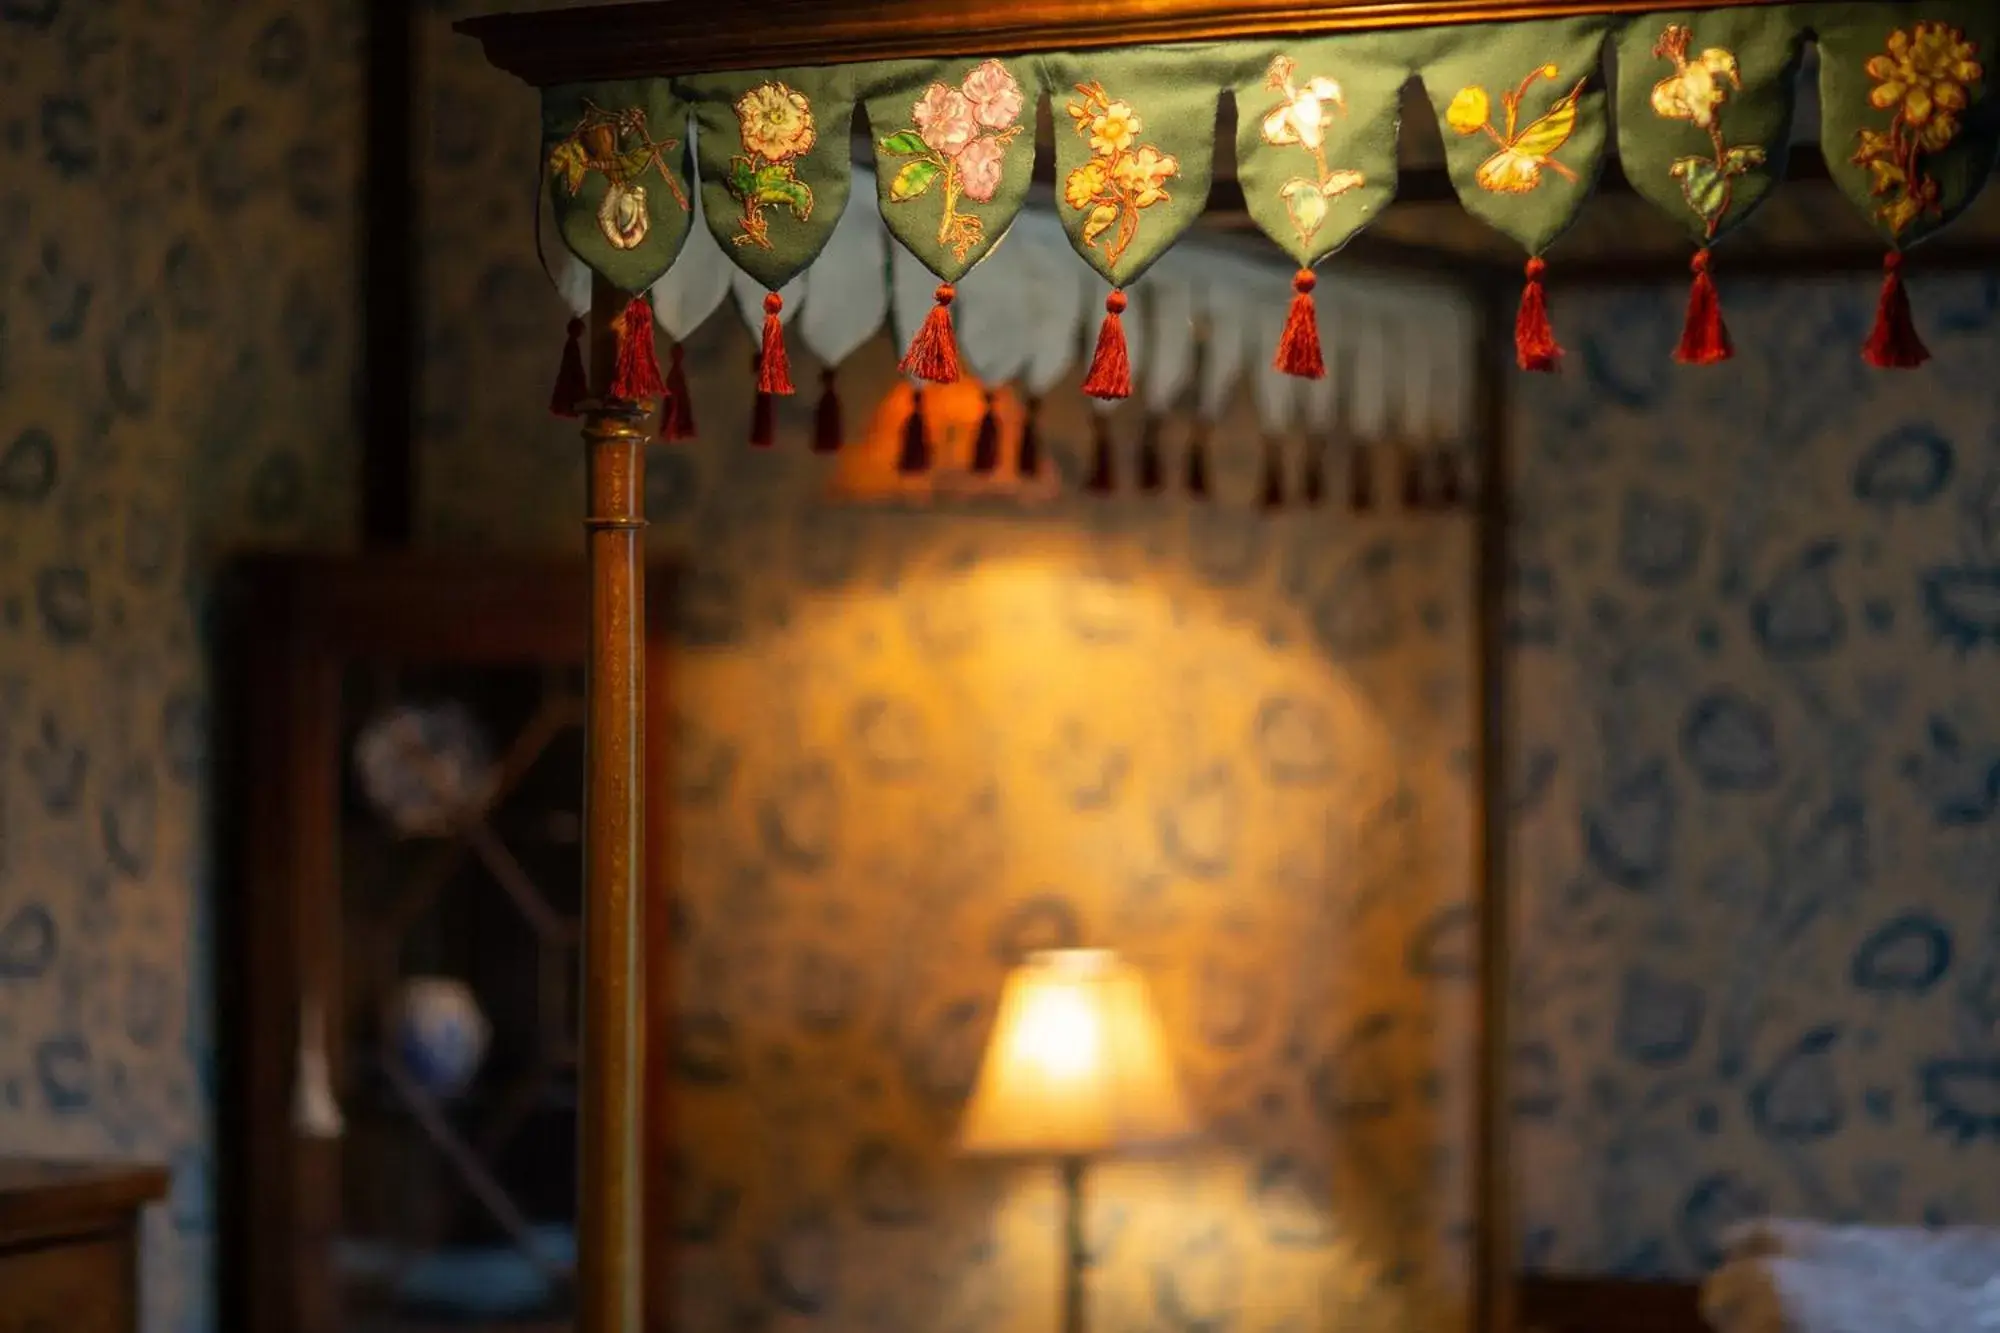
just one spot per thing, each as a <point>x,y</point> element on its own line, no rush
<point>774,368</point>
<point>1111,365</point>
<point>828,428</point>
<point>1274,476</point>
<point>1028,459</point>
<point>916,454</point>
<point>933,353</point>
<point>679,423</point>
<point>1312,486</point>
<point>986,443</point>
<point>1704,337</point>
<point>1197,462</point>
<point>637,375</point>
<point>1360,479</point>
<point>1152,468</point>
<point>1298,347</point>
<point>572,381</point>
<point>1535,346</point>
<point>1103,472</point>
<point>1894,344</point>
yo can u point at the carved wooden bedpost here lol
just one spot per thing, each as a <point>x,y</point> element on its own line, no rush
<point>609,1169</point>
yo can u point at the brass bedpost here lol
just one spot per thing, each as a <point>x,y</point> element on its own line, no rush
<point>1494,1205</point>
<point>609,1187</point>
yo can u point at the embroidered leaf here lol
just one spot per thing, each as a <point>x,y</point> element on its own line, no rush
<point>777,185</point>
<point>1704,184</point>
<point>1542,137</point>
<point>631,164</point>
<point>568,161</point>
<point>1306,202</point>
<point>742,177</point>
<point>913,180</point>
<point>1736,161</point>
<point>1099,222</point>
<point>904,143</point>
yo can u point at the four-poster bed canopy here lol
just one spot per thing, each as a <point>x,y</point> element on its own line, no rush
<point>1298,121</point>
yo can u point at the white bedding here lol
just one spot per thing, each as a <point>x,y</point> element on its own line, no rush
<point>1786,1276</point>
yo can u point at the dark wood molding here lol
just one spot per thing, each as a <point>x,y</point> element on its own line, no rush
<point>637,40</point>
<point>1558,1304</point>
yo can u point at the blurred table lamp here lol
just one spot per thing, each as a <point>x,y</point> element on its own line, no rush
<point>1077,1067</point>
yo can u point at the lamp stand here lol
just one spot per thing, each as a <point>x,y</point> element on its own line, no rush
<point>1076,1253</point>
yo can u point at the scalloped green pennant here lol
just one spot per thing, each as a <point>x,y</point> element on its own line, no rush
<point>1523,113</point>
<point>775,155</point>
<point>1135,148</point>
<point>613,162</point>
<point>954,152</point>
<point>1316,132</point>
<point>1705,103</point>
<point>1907,119</point>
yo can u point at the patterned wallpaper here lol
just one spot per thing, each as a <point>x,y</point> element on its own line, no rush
<point>1760,935</point>
<point>1759,764</point>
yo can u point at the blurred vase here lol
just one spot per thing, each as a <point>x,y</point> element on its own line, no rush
<point>439,1035</point>
<point>425,770</point>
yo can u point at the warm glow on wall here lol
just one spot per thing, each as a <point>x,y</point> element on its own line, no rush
<point>952,415</point>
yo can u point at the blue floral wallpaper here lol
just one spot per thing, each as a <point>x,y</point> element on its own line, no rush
<point>1757,612</point>
<point>1755,795</point>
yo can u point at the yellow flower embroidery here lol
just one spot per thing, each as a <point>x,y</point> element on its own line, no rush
<point>1524,150</point>
<point>1696,92</point>
<point>1924,80</point>
<point>775,124</point>
<point>618,146</point>
<point>1302,119</point>
<point>1118,181</point>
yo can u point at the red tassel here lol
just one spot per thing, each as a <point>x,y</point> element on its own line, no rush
<point>1103,477</point>
<point>638,371</point>
<point>1416,491</point>
<point>764,413</point>
<point>774,369</point>
<point>1894,344</point>
<point>1704,337</point>
<point>680,407</point>
<point>933,353</point>
<point>1534,341</point>
<point>1111,366</point>
<point>916,455</point>
<point>1152,469</point>
<point>1298,346</point>
<point>1274,476</point>
<point>1197,462</point>
<point>986,444</point>
<point>828,429</point>
<point>572,381</point>
<point>1028,459</point>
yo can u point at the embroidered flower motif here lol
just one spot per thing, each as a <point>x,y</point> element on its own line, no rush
<point>775,124</point>
<point>617,146</point>
<point>995,95</point>
<point>958,143</point>
<point>1525,151</point>
<point>1116,183</point>
<point>1923,79</point>
<point>1302,119</point>
<point>1696,92</point>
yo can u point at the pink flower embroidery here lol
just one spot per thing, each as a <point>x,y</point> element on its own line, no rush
<point>979,168</point>
<point>995,95</point>
<point>944,119</point>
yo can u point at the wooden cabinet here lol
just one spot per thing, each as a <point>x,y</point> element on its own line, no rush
<point>69,1245</point>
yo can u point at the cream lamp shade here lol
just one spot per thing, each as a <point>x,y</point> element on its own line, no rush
<point>1077,1065</point>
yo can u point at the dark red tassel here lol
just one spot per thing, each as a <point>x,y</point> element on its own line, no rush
<point>933,353</point>
<point>1274,476</point>
<point>1111,365</point>
<point>1893,344</point>
<point>1416,493</point>
<point>679,423</point>
<point>1028,459</point>
<point>1704,337</point>
<point>828,428</point>
<point>637,375</point>
<point>763,412</point>
<point>1103,475</point>
<point>986,442</point>
<point>1534,341</point>
<point>572,381</point>
<point>1360,479</point>
<point>1312,486</point>
<point>1450,481</point>
<point>774,368</point>
<point>1197,461</point>
<point>916,454</point>
<point>1152,468</point>
<point>1298,346</point>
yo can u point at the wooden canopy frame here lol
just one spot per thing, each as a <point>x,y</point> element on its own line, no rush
<point>674,37</point>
